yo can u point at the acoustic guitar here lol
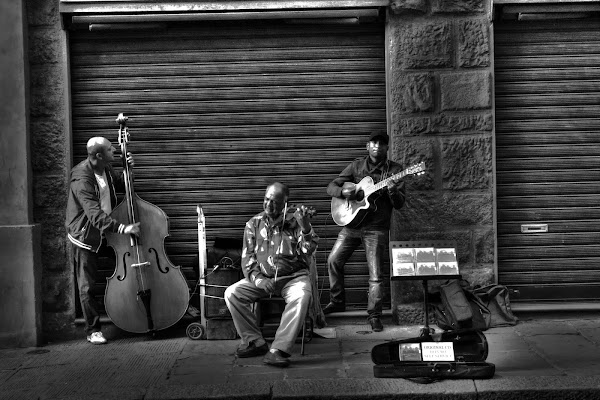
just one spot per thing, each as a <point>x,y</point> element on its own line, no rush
<point>350,213</point>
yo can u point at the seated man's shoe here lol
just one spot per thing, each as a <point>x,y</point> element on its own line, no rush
<point>376,324</point>
<point>334,307</point>
<point>96,338</point>
<point>276,358</point>
<point>252,351</point>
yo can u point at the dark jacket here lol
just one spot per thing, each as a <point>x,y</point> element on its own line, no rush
<point>382,202</point>
<point>85,220</point>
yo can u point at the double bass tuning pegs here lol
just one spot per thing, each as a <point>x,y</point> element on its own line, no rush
<point>121,119</point>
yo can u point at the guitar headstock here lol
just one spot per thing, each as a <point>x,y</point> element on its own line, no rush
<point>417,169</point>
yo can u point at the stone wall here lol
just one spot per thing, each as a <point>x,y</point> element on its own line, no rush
<point>441,113</point>
<point>50,159</point>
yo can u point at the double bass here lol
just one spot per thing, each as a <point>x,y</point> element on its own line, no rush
<point>146,292</point>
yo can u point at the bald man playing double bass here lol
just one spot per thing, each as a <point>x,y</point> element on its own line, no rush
<point>92,197</point>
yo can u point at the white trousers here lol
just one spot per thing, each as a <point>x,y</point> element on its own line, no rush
<point>240,297</point>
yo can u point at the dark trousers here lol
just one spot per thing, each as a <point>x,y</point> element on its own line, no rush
<point>85,264</point>
<point>348,240</point>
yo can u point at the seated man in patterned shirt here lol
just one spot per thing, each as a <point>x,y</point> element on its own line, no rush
<point>275,261</point>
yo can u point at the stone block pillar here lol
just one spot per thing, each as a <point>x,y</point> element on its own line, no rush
<point>20,239</point>
<point>440,90</point>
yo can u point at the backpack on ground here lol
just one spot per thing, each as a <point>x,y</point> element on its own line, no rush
<point>456,307</point>
<point>495,298</point>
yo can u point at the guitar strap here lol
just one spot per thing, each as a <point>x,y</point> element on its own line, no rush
<point>384,166</point>
<point>385,173</point>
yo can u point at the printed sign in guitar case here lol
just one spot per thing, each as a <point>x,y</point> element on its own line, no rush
<point>350,213</point>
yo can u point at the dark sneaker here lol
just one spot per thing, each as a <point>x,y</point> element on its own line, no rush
<point>252,351</point>
<point>376,324</point>
<point>334,307</point>
<point>276,359</point>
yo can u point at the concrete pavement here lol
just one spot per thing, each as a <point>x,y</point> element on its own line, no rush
<point>542,358</point>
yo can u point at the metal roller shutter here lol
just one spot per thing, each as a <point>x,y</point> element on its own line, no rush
<point>547,158</point>
<point>219,110</point>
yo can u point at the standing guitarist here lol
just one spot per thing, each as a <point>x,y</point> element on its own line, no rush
<point>372,228</point>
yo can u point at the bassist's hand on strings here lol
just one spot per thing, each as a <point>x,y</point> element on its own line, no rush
<point>130,161</point>
<point>133,229</point>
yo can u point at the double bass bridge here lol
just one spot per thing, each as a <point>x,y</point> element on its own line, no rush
<point>142,264</point>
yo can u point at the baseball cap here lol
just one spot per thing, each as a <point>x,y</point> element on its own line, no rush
<point>382,135</point>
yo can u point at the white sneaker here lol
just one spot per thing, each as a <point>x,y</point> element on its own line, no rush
<point>96,338</point>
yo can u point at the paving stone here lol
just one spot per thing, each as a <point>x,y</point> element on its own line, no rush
<point>264,371</point>
<point>568,351</point>
<point>24,393</point>
<point>319,346</point>
<point>129,393</point>
<point>198,378</point>
<point>246,391</point>
<point>252,361</point>
<point>592,334</point>
<point>357,358</point>
<point>357,346</point>
<point>270,376</point>
<point>545,328</point>
<point>520,363</point>
<point>371,388</point>
<point>203,363</point>
<point>538,387</point>
<point>585,323</point>
<point>210,347</point>
<point>12,358</point>
<point>33,377</point>
<point>56,355</point>
<point>327,360</point>
<point>506,341</point>
<point>317,372</point>
<point>359,371</point>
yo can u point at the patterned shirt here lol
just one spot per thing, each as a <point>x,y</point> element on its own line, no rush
<point>268,249</point>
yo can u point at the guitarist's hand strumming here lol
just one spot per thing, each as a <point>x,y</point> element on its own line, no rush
<point>349,191</point>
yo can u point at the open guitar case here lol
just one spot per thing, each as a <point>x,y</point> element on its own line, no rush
<point>404,358</point>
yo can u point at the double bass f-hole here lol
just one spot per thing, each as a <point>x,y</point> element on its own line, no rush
<point>148,293</point>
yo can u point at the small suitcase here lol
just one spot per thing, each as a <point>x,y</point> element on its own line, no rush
<point>461,353</point>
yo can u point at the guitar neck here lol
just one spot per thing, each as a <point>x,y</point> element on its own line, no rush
<point>384,182</point>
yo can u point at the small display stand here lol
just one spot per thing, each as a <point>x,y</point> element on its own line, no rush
<point>400,264</point>
<point>426,330</point>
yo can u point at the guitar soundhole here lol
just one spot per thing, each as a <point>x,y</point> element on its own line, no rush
<point>360,195</point>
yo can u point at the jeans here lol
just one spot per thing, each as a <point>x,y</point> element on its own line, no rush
<point>85,263</point>
<point>348,240</point>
